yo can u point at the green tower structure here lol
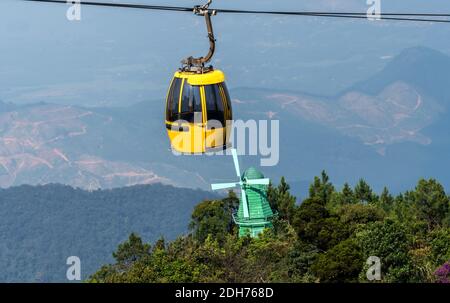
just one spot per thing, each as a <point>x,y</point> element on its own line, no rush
<point>254,213</point>
<point>259,212</point>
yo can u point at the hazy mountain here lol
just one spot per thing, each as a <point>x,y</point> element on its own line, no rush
<point>89,148</point>
<point>40,227</point>
<point>427,70</point>
<point>387,131</point>
<point>398,113</point>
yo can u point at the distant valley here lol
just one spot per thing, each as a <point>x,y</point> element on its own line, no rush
<point>87,148</point>
<point>395,121</point>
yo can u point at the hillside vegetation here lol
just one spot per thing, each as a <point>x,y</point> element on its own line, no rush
<point>328,237</point>
<point>41,226</point>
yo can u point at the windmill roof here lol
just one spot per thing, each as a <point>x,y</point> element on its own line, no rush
<point>253,173</point>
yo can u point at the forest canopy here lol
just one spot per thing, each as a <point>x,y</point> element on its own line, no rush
<point>327,237</point>
<point>41,226</point>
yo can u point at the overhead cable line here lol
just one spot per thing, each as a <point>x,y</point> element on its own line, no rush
<point>348,15</point>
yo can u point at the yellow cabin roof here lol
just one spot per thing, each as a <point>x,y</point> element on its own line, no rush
<point>212,77</point>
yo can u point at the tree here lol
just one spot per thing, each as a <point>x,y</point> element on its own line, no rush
<point>267,256</point>
<point>127,256</point>
<point>440,245</point>
<point>332,232</point>
<point>131,251</point>
<point>212,255</point>
<point>160,244</point>
<point>309,219</point>
<point>315,225</point>
<point>402,210</point>
<point>354,216</point>
<point>342,263</point>
<point>344,197</point>
<point>364,193</point>
<point>210,218</point>
<point>281,200</point>
<point>431,202</point>
<point>231,202</point>
<point>213,218</point>
<point>300,260</point>
<point>390,242</point>
<point>327,238</point>
<point>321,188</point>
<point>347,194</point>
<point>386,200</point>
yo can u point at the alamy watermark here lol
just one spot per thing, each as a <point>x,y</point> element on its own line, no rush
<point>252,137</point>
<point>74,11</point>
<point>374,271</point>
<point>374,11</point>
<point>73,272</point>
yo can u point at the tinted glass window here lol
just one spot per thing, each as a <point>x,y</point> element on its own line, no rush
<point>191,104</point>
<point>214,103</point>
<point>173,100</point>
<point>228,101</point>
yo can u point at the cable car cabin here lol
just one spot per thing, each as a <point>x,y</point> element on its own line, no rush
<point>198,112</point>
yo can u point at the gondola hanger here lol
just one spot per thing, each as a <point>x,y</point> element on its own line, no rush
<point>198,64</point>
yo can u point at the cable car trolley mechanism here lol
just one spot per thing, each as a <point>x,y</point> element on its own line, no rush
<point>198,105</point>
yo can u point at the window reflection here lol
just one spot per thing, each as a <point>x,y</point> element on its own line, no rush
<point>228,101</point>
<point>173,100</point>
<point>214,104</point>
<point>191,104</point>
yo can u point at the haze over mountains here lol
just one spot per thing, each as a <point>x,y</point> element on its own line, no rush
<point>393,106</point>
<point>117,57</point>
<point>389,129</point>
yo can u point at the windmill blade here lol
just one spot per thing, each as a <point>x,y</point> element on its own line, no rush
<point>264,181</point>
<point>236,162</point>
<point>244,203</point>
<point>223,185</point>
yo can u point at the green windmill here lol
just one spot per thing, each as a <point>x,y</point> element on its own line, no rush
<point>254,214</point>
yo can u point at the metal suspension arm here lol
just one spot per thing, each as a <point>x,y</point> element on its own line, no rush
<point>201,61</point>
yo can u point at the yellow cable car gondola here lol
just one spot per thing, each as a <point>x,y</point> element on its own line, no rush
<point>198,106</point>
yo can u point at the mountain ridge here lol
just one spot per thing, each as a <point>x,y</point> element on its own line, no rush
<point>423,67</point>
<point>118,146</point>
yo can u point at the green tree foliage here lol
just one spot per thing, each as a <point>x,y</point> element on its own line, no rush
<point>342,263</point>
<point>213,218</point>
<point>386,200</point>
<point>440,245</point>
<point>131,251</point>
<point>310,220</point>
<point>300,260</point>
<point>346,196</point>
<point>321,189</point>
<point>328,237</point>
<point>431,202</point>
<point>281,201</point>
<point>364,193</point>
<point>357,216</point>
<point>389,241</point>
<point>40,226</point>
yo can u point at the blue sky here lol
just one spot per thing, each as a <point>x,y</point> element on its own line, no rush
<point>119,56</point>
